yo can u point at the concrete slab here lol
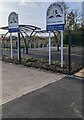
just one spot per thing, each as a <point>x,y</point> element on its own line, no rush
<point>20,80</point>
<point>80,73</point>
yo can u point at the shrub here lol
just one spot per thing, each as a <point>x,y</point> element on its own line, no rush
<point>43,64</point>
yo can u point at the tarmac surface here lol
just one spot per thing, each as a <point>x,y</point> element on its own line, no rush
<point>61,99</point>
<point>76,55</point>
<point>32,93</point>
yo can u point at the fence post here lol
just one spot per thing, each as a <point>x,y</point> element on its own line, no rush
<point>69,51</point>
<point>2,47</point>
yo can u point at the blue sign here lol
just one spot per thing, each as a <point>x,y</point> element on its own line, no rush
<point>13,30</point>
<point>55,27</point>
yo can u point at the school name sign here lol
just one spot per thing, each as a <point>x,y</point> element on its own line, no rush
<point>55,17</point>
<point>13,25</point>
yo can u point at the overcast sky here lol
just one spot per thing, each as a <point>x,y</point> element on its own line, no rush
<point>33,13</point>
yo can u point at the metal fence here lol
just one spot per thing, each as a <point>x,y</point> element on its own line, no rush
<point>73,50</point>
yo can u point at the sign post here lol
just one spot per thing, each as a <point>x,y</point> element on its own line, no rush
<point>17,46</point>
<point>55,22</point>
<point>13,26</point>
<point>49,48</point>
<point>61,48</point>
<point>11,47</point>
<point>69,49</point>
<point>19,50</point>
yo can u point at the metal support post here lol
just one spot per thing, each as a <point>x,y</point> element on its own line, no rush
<point>11,45</point>
<point>49,48</point>
<point>19,49</point>
<point>69,49</point>
<point>61,48</point>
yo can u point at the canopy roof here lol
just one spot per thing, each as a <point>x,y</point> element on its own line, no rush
<point>25,28</point>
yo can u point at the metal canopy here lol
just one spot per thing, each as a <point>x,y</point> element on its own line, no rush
<point>41,31</point>
<point>25,28</point>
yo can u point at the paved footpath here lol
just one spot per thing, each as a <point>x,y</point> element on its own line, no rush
<point>19,80</point>
<point>30,93</point>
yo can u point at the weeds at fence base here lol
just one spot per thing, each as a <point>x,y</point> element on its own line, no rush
<point>55,67</point>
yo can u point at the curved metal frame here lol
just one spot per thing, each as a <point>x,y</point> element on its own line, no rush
<point>24,42</point>
<point>5,35</point>
<point>28,28</point>
<point>25,29</point>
